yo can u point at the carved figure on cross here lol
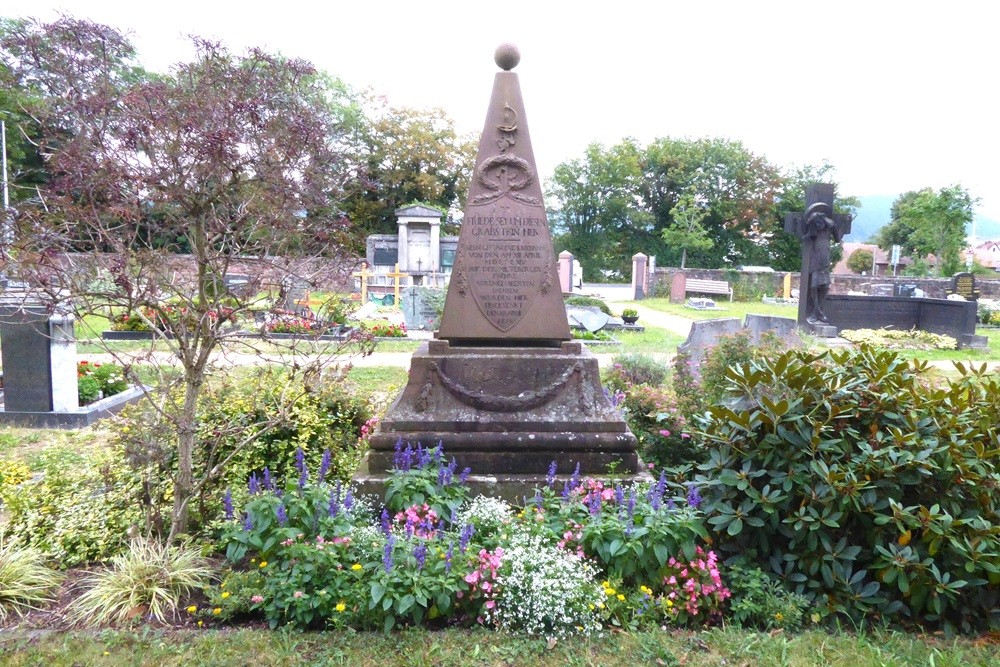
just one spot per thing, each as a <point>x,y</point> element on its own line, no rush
<point>817,227</point>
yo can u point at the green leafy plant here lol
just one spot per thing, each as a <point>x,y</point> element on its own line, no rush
<point>900,340</point>
<point>630,312</point>
<point>862,485</point>
<point>580,334</point>
<point>80,509</point>
<point>25,581</point>
<point>423,475</point>
<point>654,416</point>
<point>632,369</point>
<point>149,581</point>
<point>758,601</point>
<point>96,381</point>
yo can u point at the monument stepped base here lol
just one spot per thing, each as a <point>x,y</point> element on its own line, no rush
<point>507,413</point>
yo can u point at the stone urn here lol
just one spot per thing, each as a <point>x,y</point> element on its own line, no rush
<point>629,316</point>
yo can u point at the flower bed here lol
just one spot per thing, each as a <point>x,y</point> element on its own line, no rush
<point>97,381</point>
<point>575,559</point>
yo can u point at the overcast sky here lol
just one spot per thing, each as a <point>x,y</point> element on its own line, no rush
<point>896,95</point>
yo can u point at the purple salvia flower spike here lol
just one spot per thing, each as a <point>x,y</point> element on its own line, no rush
<point>227,503</point>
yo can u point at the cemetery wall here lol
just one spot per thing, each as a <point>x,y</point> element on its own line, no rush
<point>328,273</point>
<point>770,284</point>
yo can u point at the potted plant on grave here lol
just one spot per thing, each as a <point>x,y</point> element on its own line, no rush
<point>630,316</point>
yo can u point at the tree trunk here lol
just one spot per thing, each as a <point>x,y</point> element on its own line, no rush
<point>187,432</point>
<point>684,254</point>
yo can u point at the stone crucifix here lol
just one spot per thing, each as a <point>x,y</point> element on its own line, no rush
<point>817,226</point>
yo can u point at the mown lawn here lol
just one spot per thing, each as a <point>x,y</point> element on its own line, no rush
<point>415,648</point>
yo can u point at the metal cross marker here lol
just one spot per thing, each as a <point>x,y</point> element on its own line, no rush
<point>364,274</point>
<point>396,276</point>
<point>815,227</point>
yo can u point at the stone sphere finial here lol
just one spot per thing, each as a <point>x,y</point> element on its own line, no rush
<point>507,57</point>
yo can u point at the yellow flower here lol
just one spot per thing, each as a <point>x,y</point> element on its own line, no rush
<point>356,566</point>
<point>263,563</point>
<point>225,595</point>
<point>192,609</point>
<point>606,584</point>
<point>670,603</point>
<point>621,597</point>
<point>779,616</point>
<point>340,606</point>
<point>609,591</point>
<point>217,611</point>
<point>646,589</point>
<point>201,623</point>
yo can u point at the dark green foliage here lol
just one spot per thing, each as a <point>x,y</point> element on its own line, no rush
<point>632,369</point>
<point>863,485</point>
<point>589,301</point>
<point>761,602</point>
<point>656,421</point>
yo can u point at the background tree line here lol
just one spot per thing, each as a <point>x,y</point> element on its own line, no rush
<point>705,202</point>
<point>388,156</point>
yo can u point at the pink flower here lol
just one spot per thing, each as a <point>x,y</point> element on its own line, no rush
<point>490,604</point>
<point>685,435</point>
<point>665,433</point>
<point>257,599</point>
<point>472,577</point>
<point>650,466</point>
<point>297,594</point>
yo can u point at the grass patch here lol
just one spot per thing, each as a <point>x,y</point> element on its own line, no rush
<point>41,447</point>
<point>651,341</point>
<point>738,309</point>
<point>465,647</point>
<point>372,379</point>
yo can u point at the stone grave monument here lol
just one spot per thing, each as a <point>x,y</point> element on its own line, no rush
<point>504,388</point>
<point>40,368</point>
<point>817,227</point>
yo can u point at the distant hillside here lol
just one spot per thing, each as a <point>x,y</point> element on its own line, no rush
<point>874,213</point>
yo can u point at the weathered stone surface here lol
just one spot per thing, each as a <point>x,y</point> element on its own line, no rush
<point>507,410</point>
<point>505,283</point>
<point>784,328</point>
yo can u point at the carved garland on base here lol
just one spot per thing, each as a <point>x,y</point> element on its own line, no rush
<point>491,403</point>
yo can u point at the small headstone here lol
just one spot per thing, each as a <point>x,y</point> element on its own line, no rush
<point>882,290</point>
<point>419,309</point>
<point>706,333</point>
<point>701,303</point>
<point>964,285</point>
<point>588,317</point>
<point>678,288</point>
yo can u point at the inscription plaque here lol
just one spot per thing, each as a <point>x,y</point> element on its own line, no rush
<point>964,284</point>
<point>505,283</point>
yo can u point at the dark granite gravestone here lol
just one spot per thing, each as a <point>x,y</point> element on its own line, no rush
<point>816,227</point>
<point>886,289</point>
<point>504,389</point>
<point>40,368</point>
<point>964,285</point>
<point>941,316</point>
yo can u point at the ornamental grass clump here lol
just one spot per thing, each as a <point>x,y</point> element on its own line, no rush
<point>26,583</point>
<point>544,590</point>
<point>147,582</point>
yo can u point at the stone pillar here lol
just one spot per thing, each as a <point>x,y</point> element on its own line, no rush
<point>786,286</point>
<point>403,259</point>
<point>678,287</point>
<point>435,246</point>
<point>566,271</point>
<point>640,276</point>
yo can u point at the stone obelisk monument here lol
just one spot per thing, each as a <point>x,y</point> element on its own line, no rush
<point>504,388</point>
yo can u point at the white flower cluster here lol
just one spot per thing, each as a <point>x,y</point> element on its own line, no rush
<point>545,591</point>
<point>368,536</point>
<point>486,514</point>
